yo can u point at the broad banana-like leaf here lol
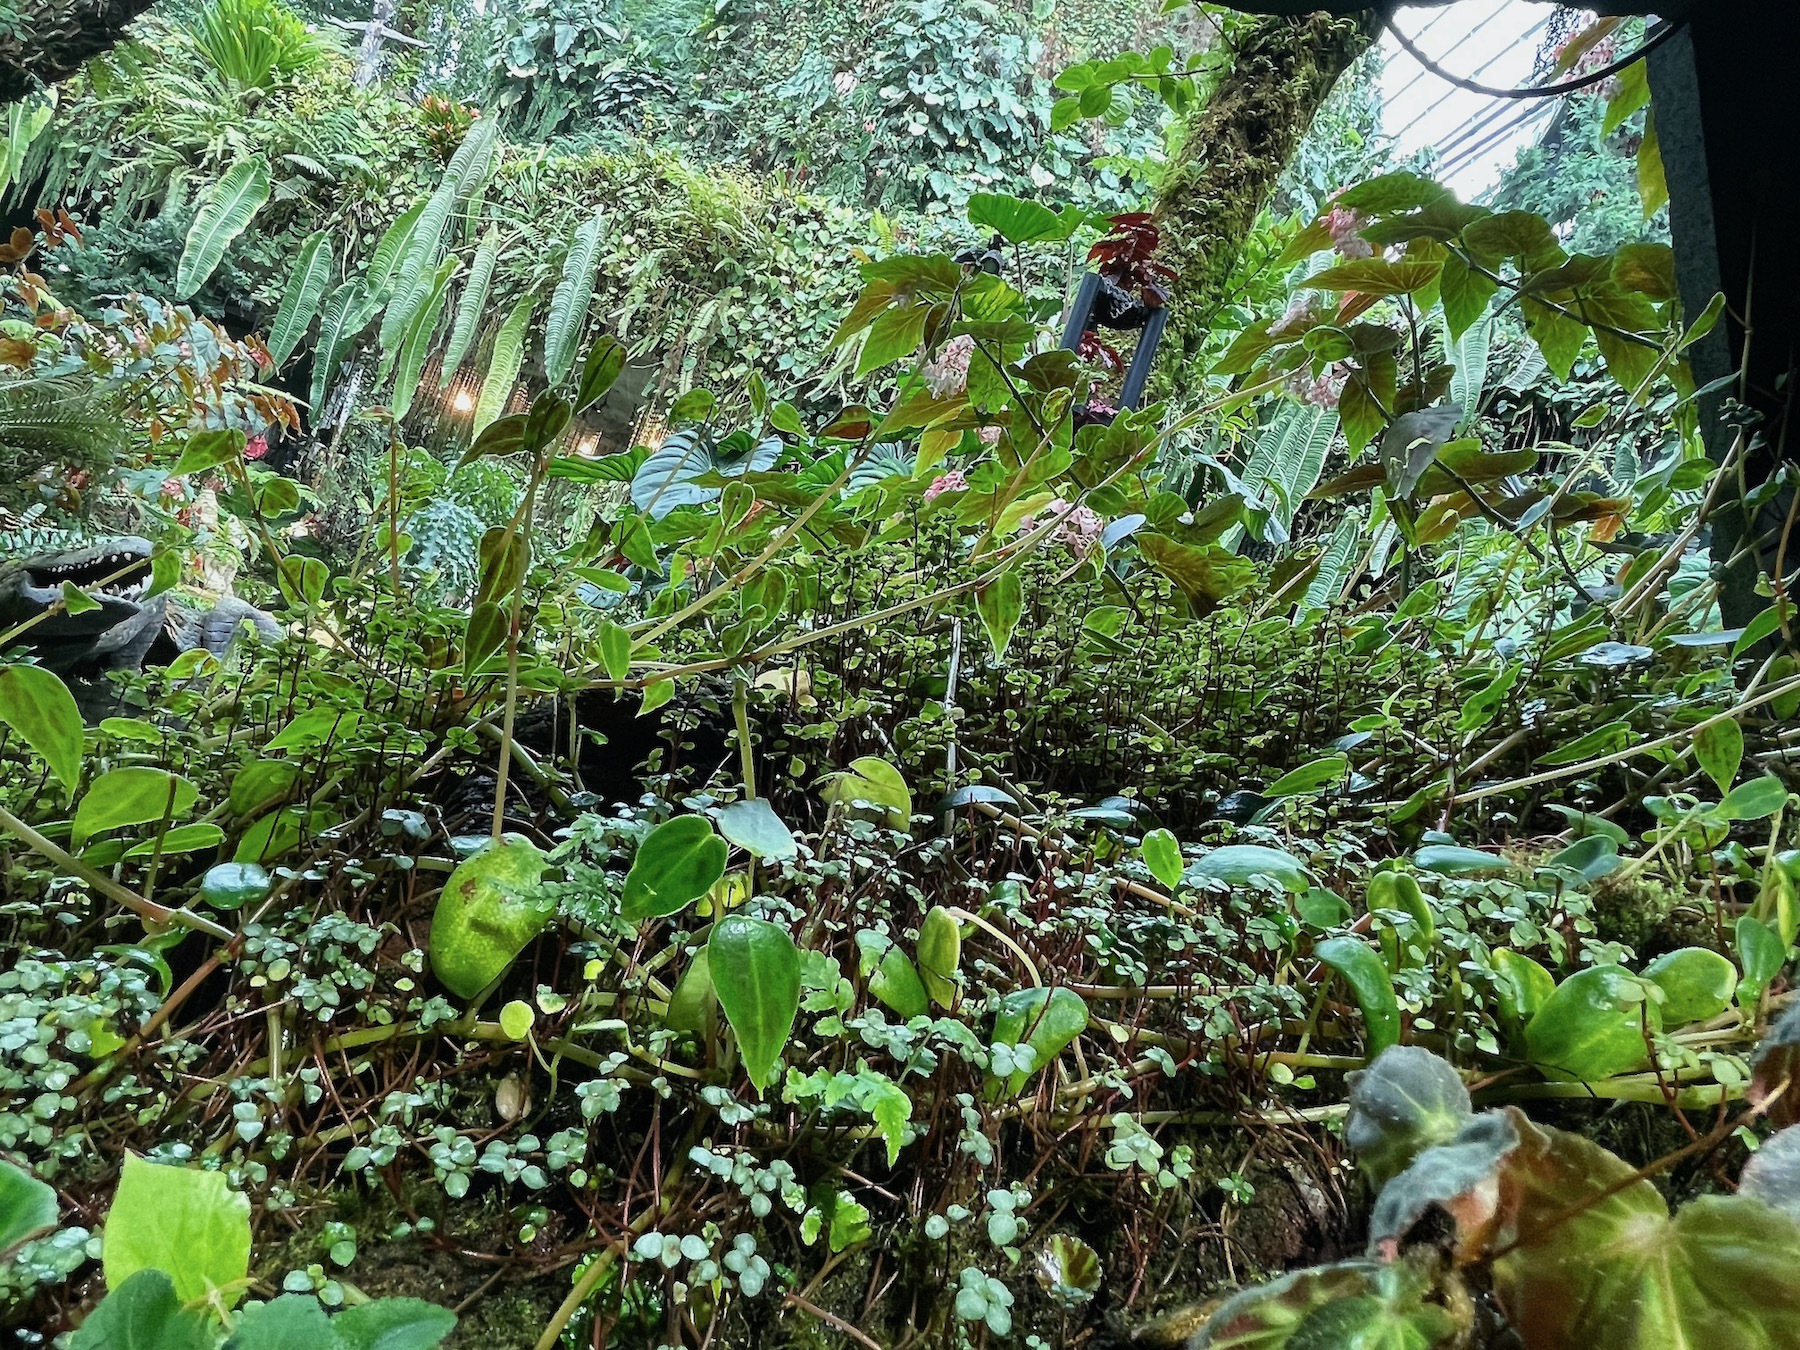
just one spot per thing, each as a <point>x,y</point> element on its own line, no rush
<point>228,208</point>
<point>305,288</point>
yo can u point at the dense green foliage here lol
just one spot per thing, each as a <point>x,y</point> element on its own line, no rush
<point>849,837</point>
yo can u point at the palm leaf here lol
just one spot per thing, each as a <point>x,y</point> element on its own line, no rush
<point>228,208</point>
<point>469,308</point>
<point>305,288</point>
<point>503,365</point>
<point>418,339</point>
<point>569,304</point>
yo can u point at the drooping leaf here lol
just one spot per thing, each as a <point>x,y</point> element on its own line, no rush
<point>503,365</point>
<point>224,213</point>
<point>1719,747</point>
<point>678,862</point>
<point>1370,984</point>
<point>569,304</point>
<point>1772,1175</point>
<point>999,604</point>
<point>1162,855</point>
<point>39,708</point>
<point>485,915</point>
<point>471,306</point>
<point>340,321</point>
<point>1311,777</point>
<point>940,955</point>
<point>599,372</point>
<point>415,342</point>
<point>300,301</point>
<point>755,969</point>
<point>1457,1177</point>
<point>1019,221</point>
<point>181,1216</point>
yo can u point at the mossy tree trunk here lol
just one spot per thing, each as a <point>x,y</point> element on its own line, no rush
<point>49,40</point>
<point>1233,150</point>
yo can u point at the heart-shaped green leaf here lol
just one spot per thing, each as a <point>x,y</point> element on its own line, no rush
<point>484,916</point>
<point>755,970</point>
<point>676,864</point>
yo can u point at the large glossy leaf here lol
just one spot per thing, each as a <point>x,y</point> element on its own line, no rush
<point>145,1313</point>
<point>224,213</point>
<point>27,1205</point>
<point>1696,983</point>
<point>1592,1027</point>
<point>503,365</point>
<point>1020,221</point>
<point>666,479</point>
<point>38,706</point>
<point>755,970</point>
<point>1242,864</point>
<point>1406,1101</point>
<point>872,783</point>
<point>1593,1270</point>
<point>753,825</point>
<point>300,301</point>
<point>1352,1305</point>
<point>181,1217</point>
<point>134,795</point>
<point>1047,1020</point>
<point>485,915</point>
<point>1370,984</point>
<point>569,304</point>
<point>676,864</point>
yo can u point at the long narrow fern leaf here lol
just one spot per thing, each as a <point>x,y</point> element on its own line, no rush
<point>222,217</point>
<point>503,366</point>
<point>300,302</point>
<point>569,304</point>
<point>470,307</point>
<point>338,326</point>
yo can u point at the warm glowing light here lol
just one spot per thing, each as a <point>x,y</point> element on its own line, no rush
<point>651,432</point>
<point>463,401</point>
<point>588,447</point>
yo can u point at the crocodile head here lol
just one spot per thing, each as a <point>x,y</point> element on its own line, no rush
<point>113,571</point>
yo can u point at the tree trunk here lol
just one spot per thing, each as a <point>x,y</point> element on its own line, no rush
<point>49,40</point>
<point>1233,150</point>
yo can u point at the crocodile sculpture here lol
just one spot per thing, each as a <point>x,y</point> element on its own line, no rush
<point>125,631</point>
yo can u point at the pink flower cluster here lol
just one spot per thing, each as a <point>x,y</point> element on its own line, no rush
<point>1306,311</point>
<point>1324,391</point>
<point>949,374</point>
<point>946,482</point>
<point>256,447</point>
<point>1343,224</point>
<point>1080,528</point>
<point>989,435</point>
